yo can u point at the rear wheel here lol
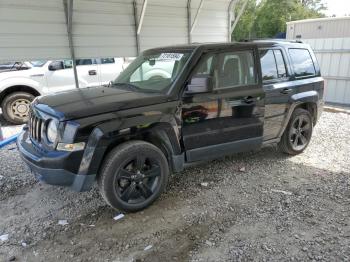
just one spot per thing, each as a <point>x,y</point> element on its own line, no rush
<point>15,107</point>
<point>298,133</point>
<point>133,176</point>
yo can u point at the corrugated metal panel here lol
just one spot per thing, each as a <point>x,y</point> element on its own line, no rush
<point>165,23</point>
<point>32,29</point>
<point>333,55</point>
<point>212,25</point>
<point>103,28</point>
<point>319,28</point>
<point>36,29</point>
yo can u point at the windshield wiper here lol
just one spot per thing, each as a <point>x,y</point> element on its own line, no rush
<point>126,85</point>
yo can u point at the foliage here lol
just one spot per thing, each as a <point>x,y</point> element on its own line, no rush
<point>268,17</point>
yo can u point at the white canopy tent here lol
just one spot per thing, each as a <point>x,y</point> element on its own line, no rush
<point>56,29</point>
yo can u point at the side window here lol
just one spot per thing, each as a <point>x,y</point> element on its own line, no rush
<point>107,60</point>
<point>302,62</point>
<point>281,66</point>
<point>268,65</point>
<point>80,62</point>
<point>205,65</point>
<point>236,69</point>
<point>272,64</point>
<point>67,64</point>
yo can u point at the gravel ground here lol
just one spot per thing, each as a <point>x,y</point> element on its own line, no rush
<point>259,206</point>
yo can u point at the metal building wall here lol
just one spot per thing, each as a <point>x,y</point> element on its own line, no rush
<point>36,29</point>
<point>212,24</point>
<point>330,40</point>
<point>165,23</point>
<point>32,29</point>
<point>319,28</point>
<point>333,55</point>
<point>103,28</point>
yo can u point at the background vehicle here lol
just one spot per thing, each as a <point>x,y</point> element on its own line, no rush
<point>219,99</point>
<point>21,82</point>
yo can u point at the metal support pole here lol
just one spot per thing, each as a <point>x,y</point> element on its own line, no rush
<point>68,10</point>
<point>196,16</point>
<point>139,23</point>
<point>189,21</point>
<point>230,18</point>
<point>137,36</point>
<point>240,13</point>
<point>143,11</point>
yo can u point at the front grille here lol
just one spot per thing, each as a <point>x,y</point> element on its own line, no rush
<point>35,127</point>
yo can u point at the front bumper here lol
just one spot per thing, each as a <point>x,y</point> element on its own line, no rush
<point>47,166</point>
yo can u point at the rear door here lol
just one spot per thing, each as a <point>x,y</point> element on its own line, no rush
<point>278,89</point>
<point>229,118</point>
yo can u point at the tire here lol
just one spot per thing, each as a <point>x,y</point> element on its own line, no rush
<point>297,135</point>
<point>122,186</point>
<point>15,107</point>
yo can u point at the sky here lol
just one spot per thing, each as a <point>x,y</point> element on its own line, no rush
<point>337,7</point>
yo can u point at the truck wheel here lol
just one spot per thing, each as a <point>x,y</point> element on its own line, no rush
<point>298,133</point>
<point>15,107</point>
<point>133,176</point>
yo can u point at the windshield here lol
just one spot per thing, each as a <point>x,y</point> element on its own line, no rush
<point>153,72</point>
<point>38,63</point>
<point>13,66</point>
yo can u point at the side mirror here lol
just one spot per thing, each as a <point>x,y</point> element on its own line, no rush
<point>56,65</point>
<point>199,84</point>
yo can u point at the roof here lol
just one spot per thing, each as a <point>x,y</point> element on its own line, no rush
<point>318,20</point>
<point>197,45</point>
<point>253,43</point>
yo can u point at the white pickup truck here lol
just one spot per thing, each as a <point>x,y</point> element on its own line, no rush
<point>21,82</point>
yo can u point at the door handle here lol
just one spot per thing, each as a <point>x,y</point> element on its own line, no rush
<point>92,72</point>
<point>248,99</point>
<point>286,91</point>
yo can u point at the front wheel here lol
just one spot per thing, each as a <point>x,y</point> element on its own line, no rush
<point>298,133</point>
<point>15,107</point>
<point>133,176</point>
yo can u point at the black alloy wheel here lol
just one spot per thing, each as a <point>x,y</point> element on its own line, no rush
<point>137,180</point>
<point>298,132</point>
<point>133,175</point>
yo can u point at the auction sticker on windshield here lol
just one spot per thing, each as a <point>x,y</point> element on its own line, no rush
<point>170,56</point>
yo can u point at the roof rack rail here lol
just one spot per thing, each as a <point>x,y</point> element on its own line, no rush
<point>272,39</point>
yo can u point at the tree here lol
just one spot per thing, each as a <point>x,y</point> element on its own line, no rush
<point>315,5</point>
<point>244,28</point>
<point>269,17</point>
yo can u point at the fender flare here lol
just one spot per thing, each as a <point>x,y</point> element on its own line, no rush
<point>296,101</point>
<point>161,134</point>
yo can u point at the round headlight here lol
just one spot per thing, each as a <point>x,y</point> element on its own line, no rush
<point>51,131</point>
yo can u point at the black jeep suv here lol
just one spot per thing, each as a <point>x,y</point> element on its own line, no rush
<point>172,106</point>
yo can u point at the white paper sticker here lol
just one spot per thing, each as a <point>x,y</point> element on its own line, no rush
<point>170,56</point>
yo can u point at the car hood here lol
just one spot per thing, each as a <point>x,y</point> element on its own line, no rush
<point>90,101</point>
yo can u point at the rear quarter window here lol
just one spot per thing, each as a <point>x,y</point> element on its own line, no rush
<point>302,62</point>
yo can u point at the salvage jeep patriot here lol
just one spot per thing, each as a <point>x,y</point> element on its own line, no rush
<point>218,99</point>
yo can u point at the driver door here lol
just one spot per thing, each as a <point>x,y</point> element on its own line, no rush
<point>228,118</point>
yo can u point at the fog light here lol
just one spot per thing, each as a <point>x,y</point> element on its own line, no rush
<point>71,147</point>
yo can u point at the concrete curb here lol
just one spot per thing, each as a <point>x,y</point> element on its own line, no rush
<point>336,110</point>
